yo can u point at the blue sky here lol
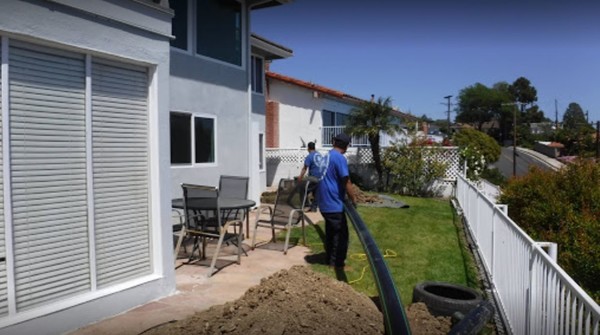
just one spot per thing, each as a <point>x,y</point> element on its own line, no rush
<point>417,52</point>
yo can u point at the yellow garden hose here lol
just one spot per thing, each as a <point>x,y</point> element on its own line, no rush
<point>389,253</point>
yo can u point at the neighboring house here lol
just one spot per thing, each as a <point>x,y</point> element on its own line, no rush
<point>542,128</point>
<point>88,93</point>
<point>299,112</point>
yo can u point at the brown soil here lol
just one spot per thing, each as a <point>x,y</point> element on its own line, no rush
<point>299,301</point>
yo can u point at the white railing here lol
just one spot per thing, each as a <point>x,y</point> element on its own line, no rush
<point>327,134</point>
<point>535,294</point>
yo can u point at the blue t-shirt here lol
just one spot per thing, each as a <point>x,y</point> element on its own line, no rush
<point>310,162</point>
<point>332,188</point>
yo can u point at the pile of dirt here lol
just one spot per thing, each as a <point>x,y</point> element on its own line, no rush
<point>423,323</point>
<point>363,198</point>
<point>298,301</point>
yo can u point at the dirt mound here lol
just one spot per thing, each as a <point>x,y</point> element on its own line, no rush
<point>295,301</point>
<point>300,301</point>
<point>423,323</point>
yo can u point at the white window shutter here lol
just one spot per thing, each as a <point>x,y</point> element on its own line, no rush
<point>48,163</point>
<point>120,168</point>
<point>3,292</point>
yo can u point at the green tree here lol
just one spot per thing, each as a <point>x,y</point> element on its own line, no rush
<point>522,91</point>
<point>371,118</point>
<point>477,105</point>
<point>576,133</point>
<point>574,117</point>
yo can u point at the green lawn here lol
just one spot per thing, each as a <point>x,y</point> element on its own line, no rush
<point>422,242</point>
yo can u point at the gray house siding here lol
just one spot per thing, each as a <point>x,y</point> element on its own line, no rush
<point>129,38</point>
<point>207,88</point>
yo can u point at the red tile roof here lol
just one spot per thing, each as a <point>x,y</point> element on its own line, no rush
<point>312,86</point>
<point>328,91</point>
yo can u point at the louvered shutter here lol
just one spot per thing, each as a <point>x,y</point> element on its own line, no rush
<point>3,294</point>
<point>120,165</point>
<point>48,162</point>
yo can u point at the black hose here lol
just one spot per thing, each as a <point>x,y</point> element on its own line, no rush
<point>394,317</point>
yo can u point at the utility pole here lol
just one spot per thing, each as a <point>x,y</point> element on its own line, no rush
<point>555,115</point>
<point>448,97</point>
<point>514,104</point>
<point>598,142</point>
<point>515,142</point>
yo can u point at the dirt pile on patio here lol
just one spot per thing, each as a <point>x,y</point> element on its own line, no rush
<point>295,301</point>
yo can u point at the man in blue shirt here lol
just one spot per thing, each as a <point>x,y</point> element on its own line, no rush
<point>334,185</point>
<point>310,164</point>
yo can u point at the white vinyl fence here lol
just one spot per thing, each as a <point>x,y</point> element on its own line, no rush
<point>535,294</point>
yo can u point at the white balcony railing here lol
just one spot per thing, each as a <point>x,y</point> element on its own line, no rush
<point>327,134</point>
<point>535,294</point>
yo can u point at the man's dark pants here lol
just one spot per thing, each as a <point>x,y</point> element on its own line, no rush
<point>336,238</point>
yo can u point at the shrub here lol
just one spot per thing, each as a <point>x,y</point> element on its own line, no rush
<point>411,170</point>
<point>562,207</point>
<point>494,176</point>
<point>477,149</point>
<point>479,141</point>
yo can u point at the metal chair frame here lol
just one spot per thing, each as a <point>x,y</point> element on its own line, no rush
<point>273,213</point>
<point>201,225</point>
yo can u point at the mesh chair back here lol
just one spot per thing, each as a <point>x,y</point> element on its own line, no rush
<point>233,187</point>
<point>291,195</point>
<point>201,205</point>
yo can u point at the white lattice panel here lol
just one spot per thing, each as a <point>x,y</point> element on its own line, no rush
<point>286,163</point>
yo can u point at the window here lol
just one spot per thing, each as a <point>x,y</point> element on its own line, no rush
<point>328,119</point>
<point>204,140</point>
<point>219,30</point>
<point>182,133</point>
<point>257,74</point>
<point>331,119</point>
<point>179,23</point>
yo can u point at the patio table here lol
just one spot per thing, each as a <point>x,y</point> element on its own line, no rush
<point>224,204</point>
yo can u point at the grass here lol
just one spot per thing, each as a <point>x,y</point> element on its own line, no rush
<point>421,243</point>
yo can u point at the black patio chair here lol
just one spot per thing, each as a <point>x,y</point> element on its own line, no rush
<point>203,222</point>
<point>287,212</point>
<point>233,187</point>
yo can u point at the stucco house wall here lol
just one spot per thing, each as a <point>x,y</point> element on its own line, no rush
<point>205,87</point>
<point>125,32</point>
<point>300,117</point>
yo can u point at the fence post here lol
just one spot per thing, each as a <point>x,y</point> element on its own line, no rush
<point>530,295</point>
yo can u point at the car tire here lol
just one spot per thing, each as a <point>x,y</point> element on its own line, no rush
<point>444,299</point>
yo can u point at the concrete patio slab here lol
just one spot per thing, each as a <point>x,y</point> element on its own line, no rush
<point>196,291</point>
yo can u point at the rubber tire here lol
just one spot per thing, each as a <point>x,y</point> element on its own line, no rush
<point>444,299</point>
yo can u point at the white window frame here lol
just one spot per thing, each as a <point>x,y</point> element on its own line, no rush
<point>193,116</point>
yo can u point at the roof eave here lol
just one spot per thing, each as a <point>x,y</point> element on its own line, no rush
<point>260,4</point>
<point>271,49</point>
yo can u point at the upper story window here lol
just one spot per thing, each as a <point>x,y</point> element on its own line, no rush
<point>179,24</point>
<point>258,70</point>
<point>216,31</point>
<point>192,134</point>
